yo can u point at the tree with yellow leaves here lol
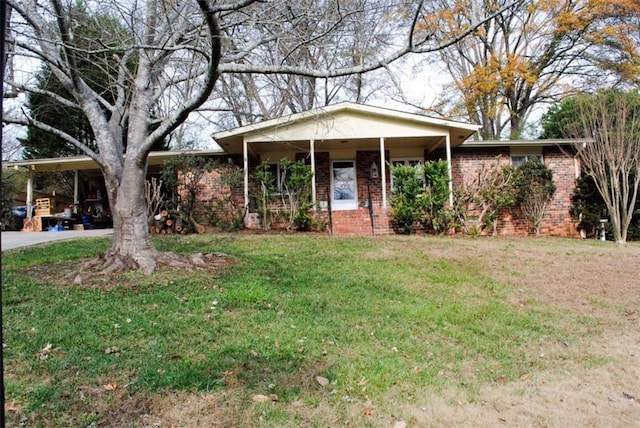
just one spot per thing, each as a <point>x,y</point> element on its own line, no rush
<point>530,53</point>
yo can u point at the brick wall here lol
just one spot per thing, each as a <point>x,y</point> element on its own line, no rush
<point>358,222</point>
<point>465,164</point>
<point>557,222</point>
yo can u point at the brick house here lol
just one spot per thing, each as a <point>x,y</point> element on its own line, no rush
<point>348,146</point>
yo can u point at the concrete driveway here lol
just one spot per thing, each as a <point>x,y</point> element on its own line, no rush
<point>10,240</point>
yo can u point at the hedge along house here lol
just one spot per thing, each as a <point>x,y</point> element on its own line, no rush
<point>349,146</point>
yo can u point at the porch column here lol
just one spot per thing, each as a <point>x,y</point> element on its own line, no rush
<point>449,169</point>
<point>245,160</point>
<point>383,172</point>
<point>312,150</point>
<point>76,201</point>
<point>30,193</point>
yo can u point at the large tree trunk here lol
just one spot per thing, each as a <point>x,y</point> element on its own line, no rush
<point>130,224</point>
<point>131,247</point>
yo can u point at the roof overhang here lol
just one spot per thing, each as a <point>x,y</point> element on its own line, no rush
<point>527,143</point>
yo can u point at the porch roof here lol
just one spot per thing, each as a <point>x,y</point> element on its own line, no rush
<point>346,125</point>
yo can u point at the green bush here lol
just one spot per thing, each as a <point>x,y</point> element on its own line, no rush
<point>535,187</point>
<point>407,200</point>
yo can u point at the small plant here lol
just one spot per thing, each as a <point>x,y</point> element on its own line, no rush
<point>267,189</point>
<point>296,193</point>
<point>535,188</point>
<point>481,201</point>
<point>227,210</point>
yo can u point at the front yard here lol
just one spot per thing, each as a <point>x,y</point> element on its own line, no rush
<point>308,330</point>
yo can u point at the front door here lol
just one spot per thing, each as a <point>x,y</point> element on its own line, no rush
<point>343,185</point>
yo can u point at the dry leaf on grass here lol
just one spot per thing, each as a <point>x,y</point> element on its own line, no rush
<point>323,381</point>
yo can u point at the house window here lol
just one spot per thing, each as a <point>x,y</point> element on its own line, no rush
<point>278,179</point>
<point>414,162</point>
<point>517,160</point>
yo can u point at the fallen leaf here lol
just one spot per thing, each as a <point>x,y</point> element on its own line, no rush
<point>176,357</point>
<point>110,386</point>
<point>44,352</point>
<point>368,411</point>
<point>400,424</point>
<point>323,381</point>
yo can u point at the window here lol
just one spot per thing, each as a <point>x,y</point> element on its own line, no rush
<point>517,160</point>
<point>414,162</point>
<point>277,174</point>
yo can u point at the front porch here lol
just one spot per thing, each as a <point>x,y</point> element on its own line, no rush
<point>348,147</point>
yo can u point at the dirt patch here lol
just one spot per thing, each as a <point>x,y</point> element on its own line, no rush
<point>64,274</point>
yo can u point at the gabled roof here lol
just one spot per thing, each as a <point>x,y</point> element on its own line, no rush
<point>344,121</point>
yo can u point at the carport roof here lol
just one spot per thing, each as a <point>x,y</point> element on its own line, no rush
<point>84,163</point>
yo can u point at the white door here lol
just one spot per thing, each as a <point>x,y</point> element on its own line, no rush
<point>343,185</point>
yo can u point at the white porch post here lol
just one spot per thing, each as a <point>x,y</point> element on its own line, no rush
<point>449,169</point>
<point>30,194</point>
<point>312,150</point>
<point>383,173</point>
<point>245,160</point>
<point>76,201</point>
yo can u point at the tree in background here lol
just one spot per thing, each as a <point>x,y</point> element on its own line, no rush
<point>535,190</point>
<point>611,120</point>
<point>519,59</point>
<point>250,98</point>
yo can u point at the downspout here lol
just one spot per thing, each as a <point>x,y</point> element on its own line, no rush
<point>383,173</point>
<point>245,161</point>
<point>449,168</point>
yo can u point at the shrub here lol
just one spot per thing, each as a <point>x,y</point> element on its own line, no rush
<point>407,199</point>
<point>535,187</point>
<point>481,200</point>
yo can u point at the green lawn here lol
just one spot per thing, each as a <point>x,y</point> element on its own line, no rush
<point>383,319</point>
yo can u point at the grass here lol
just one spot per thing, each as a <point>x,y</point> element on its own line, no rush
<point>378,318</point>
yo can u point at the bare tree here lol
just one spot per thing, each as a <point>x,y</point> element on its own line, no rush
<point>166,46</point>
<point>612,119</point>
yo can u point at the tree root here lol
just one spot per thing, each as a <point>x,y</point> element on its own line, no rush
<point>147,262</point>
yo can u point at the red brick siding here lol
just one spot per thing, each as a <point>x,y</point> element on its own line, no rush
<point>467,161</point>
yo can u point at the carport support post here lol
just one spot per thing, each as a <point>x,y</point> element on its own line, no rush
<point>449,169</point>
<point>76,201</point>
<point>30,194</point>
<point>245,160</point>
